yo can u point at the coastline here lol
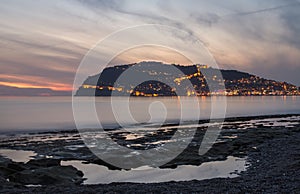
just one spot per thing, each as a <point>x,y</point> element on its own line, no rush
<point>273,157</point>
<point>272,175</point>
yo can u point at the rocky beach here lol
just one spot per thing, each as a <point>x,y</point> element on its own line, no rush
<point>149,96</point>
<point>268,144</point>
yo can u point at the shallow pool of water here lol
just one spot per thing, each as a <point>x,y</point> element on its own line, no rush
<point>17,155</point>
<point>96,174</point>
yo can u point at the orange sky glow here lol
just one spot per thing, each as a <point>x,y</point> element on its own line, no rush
<point>44,42</point>
<point>60,87</point>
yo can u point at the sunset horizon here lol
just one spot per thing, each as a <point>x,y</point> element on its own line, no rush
<point>42,51</point>
<point>149,96</point>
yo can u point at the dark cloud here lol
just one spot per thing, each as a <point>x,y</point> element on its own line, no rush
<point>14,91</point>
<point>37,70</point>
<point>103,4</point>
<point>74,50</point>
<point>291,19</point>
<point>206,19</point>
<point>162,20</point>
<point>289,4</point>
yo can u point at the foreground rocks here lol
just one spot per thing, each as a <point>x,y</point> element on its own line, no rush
<point>273,152</point>
<point>38,172</point>
<point>275,168</point>
<point>64,175</point>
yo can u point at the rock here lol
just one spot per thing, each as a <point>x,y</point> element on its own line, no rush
<point>9,167</point>
<point>48,176</point>
<point>44,162</point>
<point>16,166</point>
<point>3,182</point>
<point>103,163</point>
<point>4,171</point>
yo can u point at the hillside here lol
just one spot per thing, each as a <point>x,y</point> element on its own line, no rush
<point>236,83</point>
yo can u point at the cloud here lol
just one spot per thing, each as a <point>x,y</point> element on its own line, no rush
<point>44,42</point>
<point>264,41</point>
<point>273,8</point>
<point>15,91</point>
<point>291,20</point>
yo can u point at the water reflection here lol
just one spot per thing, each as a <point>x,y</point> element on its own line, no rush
<point>96,174</point>
<point>17,155</point>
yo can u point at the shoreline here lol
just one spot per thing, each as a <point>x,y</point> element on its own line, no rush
<point>273,152</point>
<point>201,121</point>
<point>267,177</point>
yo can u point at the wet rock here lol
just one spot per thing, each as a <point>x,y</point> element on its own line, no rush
<point>4,171</point>
<point>16,166</point>
<point>3,180</point>
<point>8,167</point>
<point>3,183</point>
<point>49,176</point>
<point>103,163</point>
<point>44,162</point>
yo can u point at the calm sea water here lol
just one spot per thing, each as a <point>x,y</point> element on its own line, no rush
<point>55,113</point>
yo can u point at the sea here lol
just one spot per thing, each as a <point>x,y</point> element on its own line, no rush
<point>20,114</point>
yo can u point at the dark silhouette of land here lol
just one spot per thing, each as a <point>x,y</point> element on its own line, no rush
<point>236,83</point>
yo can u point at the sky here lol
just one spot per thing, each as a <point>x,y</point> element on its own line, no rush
<point>44,42</point>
